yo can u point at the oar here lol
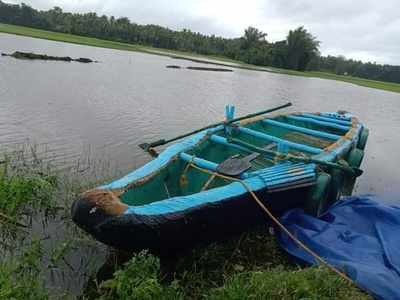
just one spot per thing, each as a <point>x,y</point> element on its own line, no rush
<point>149,146</point>
<point>234,166</point>
<point>350,170</point>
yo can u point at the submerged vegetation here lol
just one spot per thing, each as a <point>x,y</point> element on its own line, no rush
<point>37,262</point>
<point>30,55</point>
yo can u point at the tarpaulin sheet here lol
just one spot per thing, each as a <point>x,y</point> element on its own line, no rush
<point>358,235</point>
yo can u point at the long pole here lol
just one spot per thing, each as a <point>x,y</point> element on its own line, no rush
<point>148,146</point>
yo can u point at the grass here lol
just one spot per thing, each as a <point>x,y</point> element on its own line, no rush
<point>25,186</point>
<point>140,279</point>
<point>381,85</point>
<point>89,41</point>
<point>222,61</point>
<point>20,276</point>
<point>34,202</point>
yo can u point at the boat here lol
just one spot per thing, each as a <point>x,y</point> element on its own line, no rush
<point>199,189</point>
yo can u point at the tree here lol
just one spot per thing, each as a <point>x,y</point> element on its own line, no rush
<point>301,48</point>
<point>299,51</point>
<point>252,38</point>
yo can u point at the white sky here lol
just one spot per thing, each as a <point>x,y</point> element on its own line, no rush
<point>368,30</point>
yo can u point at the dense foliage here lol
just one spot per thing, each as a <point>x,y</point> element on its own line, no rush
<point>298,52</point>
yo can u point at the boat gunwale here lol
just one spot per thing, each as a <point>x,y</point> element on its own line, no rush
<point>330,153</point>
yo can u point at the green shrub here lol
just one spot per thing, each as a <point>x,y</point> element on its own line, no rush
<point>24,188</point>
<point>140,280</point>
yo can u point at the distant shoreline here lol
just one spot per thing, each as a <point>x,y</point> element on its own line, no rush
<point>220,61</point>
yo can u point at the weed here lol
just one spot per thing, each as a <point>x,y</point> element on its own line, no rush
<point>20,275</point>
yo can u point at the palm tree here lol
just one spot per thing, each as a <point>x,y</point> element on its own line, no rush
<point>301,48</point>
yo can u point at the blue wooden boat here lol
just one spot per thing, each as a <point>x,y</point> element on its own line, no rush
<point>178,199</point>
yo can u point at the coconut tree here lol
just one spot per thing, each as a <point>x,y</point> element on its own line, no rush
<point>301,48</point>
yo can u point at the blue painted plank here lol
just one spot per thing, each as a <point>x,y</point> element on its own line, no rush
<point>327,119</point>
<point>223,141</point>
<point>202,163</point>
<point>275,170</point>
<point>288,175</point>
<point>274,139</point>
<point>285,180</point>
<point>337,116</point>
<point>307,168</point>
<point>312,132</point>
<point>321,123</point>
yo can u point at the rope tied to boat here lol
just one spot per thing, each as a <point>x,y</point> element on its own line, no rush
<point>277,222</point>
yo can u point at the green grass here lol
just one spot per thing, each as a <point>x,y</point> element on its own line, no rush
<point>25,187</point>
<point>223,61</point>
<point>64,37</point>
<point>381,85</point>
<point>20,276</point>
<point>89,41</point>
<point>140,279</point>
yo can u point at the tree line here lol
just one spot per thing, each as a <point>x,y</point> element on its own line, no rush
<point>299,51</point>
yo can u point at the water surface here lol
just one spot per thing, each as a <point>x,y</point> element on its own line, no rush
<point>106,109</point>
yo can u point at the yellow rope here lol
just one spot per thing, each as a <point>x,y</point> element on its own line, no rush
<point>278,223</point>
<point>208,182</point>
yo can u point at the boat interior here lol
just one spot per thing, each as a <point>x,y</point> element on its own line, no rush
<point>303,135</point>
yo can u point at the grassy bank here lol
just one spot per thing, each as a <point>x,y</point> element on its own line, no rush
<point>222,61</point>
<point>249,266</point>
<point>386,86</point>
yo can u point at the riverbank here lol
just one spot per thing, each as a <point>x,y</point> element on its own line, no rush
<point>220,61</point>
<point>35,257</point>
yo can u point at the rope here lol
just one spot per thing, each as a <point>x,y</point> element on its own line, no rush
<point>208,182</point>
<point>279,224</point>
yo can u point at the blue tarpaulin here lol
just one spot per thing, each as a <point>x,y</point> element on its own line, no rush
<point>358,235</point>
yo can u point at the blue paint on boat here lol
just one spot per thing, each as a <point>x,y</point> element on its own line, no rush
<point>190,213</point>
<point>223,141</point>
<point>280,174</point>
<point>267,178</point>
<point>317,122</point>
<point>200,162</point>
<point>312,132</point>
<point>162,160</point>
<point>334,115</point>
<point>327,119</point>
<point>277,140</point>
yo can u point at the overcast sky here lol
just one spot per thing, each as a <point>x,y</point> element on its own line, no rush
<point>363,29</point>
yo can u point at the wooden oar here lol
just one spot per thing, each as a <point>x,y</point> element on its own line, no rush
<point>148,146</point>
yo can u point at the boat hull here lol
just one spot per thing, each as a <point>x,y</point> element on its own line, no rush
<point>171,232</point>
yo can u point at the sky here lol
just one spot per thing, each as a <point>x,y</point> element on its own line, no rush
<point>366,30</point>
